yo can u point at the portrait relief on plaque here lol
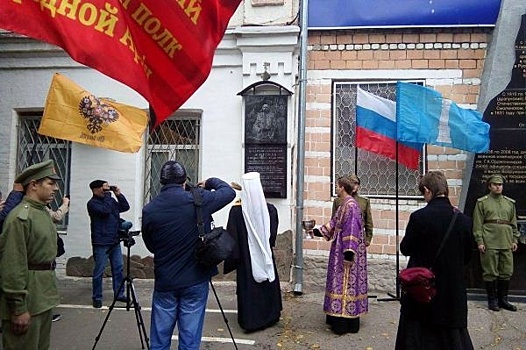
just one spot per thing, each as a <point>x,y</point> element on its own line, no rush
<point>266,119</point>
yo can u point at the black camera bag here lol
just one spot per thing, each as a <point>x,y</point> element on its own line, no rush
<point>212,247</point>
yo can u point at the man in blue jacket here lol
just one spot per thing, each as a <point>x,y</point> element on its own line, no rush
<point>12,200</point>
<point>169,228</point>
<point>104,211</point>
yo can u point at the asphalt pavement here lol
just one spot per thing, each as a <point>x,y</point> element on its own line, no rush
<point>302,325</point>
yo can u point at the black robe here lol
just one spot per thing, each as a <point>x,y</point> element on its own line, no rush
<point>258,304</point>
<point>441,324</point>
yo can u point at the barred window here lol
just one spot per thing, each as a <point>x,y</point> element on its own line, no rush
<point>177,138</point>
<point>377,173</point>
<point>34,148</point>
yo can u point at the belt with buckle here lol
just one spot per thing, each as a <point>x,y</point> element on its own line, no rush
<point>498,221</point>
<point>43,266</point>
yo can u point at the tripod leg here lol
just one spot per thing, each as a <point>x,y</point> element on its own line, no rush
<point>97,338</point>
<point>224,316</point>
<point>138,316</point>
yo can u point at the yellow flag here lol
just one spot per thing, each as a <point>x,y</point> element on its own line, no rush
<point>74,114</point>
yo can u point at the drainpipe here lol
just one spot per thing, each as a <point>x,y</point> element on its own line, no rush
<point>300,162</point>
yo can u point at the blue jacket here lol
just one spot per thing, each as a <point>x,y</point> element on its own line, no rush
<point>169,228</point>
<point>105,214</point>
<point>12,200</point>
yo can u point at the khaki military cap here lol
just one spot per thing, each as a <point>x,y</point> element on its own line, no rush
<point>496,179</point>
<point>38,171</point>
<point>355,179</point>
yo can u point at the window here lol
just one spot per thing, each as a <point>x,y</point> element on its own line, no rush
<point>34,148</point>
<point>177,138</point>
<point>376,172</point>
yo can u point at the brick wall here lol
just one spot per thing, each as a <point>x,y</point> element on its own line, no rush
<point>449,60</point>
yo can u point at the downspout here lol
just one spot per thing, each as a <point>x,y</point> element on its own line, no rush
<point>300,162</point>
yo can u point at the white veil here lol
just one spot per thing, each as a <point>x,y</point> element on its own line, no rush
<point>257,221</point>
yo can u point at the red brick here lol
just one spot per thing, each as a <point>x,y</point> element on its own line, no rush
<point>377,38</point>
<point>461,37</point>
<point>436,64</point>
<point>415,54</point>
<point>365,55</point>
<point>398,54</point>
<point>419,64</point>
<point>448,54</point>
<point>410,38</point>
<point>381,55</point>
<point>451,64</point>
<point>353,64</point>
<point>432,54</point>
<point>344,39</point>
<point>428,38</point>
<point>444,37</point>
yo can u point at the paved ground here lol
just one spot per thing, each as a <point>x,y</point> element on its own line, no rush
<point>302,325</point>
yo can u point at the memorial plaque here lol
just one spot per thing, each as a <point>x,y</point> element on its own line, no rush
<point>506,114</point>
<point>270,161</point>
<point>266,141</point>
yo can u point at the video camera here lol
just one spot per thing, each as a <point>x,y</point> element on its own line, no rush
<point>125,235</point>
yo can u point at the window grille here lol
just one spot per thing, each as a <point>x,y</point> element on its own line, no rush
<point>377,173</point>
<point>34,148</point>
<point>177,138</point>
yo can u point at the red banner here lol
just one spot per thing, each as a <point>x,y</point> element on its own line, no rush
<point>163,49</point>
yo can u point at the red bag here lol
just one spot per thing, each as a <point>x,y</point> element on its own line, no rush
<point>419,283</point>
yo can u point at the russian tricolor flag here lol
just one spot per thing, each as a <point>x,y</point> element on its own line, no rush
<point>376,130</point>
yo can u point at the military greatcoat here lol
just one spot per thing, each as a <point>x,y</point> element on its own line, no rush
<point>495,227</point>
<point>29,238</point>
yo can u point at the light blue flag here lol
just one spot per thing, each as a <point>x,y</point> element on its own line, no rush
<point>424,116</point>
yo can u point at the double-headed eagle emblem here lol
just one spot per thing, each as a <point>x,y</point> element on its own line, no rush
<point>97,113</point>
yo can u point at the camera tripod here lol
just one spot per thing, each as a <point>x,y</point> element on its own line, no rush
<point>131,296</point>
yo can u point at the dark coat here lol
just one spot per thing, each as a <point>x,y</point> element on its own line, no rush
<point>104,213</point>
<point>423,235</point>
<point>258,304</point>
<point>12,200</point>
<point>169,229</point>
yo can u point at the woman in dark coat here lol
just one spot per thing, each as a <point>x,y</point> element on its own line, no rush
<point>441,324</point>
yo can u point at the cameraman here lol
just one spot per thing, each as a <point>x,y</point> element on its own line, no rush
<point>169,227</point>
<point>104,212</point>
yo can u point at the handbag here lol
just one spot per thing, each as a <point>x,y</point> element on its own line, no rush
<point>212,247</point>
<point>419,282</point>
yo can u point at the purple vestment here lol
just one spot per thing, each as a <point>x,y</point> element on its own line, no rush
<point>346,287</point>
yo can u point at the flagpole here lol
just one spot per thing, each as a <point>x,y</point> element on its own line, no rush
<point>396,296</point>
<point>397,226</point>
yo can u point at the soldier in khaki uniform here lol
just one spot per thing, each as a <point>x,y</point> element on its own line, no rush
<point>365,208</point>
<point>28,246</point>
<point>496,234</point>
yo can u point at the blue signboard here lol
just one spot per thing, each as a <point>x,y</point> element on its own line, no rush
<point>326,14</point>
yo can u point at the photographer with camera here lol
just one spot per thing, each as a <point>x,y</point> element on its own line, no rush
<point>104,212</point>
<point>169,228</point>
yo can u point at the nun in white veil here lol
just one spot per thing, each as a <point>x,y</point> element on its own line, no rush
<point>253,223</point>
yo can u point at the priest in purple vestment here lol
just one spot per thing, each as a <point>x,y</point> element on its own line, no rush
<point>346,287</point>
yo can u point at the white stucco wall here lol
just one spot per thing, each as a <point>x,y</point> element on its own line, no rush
<point>26,69</point>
